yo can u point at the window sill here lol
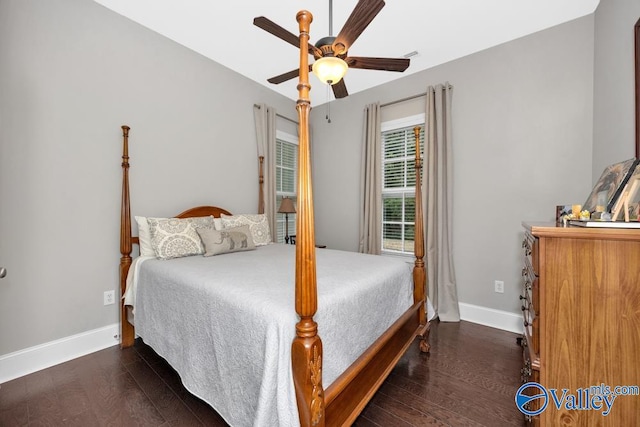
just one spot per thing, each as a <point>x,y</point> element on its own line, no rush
<point>406,257</point>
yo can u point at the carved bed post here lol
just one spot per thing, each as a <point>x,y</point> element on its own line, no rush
<point>306,349</point>
<point>127,334</point>
<point>419,274</point>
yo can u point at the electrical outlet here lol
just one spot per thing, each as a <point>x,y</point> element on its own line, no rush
<point>499,286</point>
<point>109,297</point>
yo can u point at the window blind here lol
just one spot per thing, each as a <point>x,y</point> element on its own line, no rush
<point>398,188</point>
<point>286,173</point>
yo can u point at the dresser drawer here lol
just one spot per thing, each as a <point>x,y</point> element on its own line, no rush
<point>530,246</point>
<point>530,311</point>
<point>530,372</point>
<point>530,297</point>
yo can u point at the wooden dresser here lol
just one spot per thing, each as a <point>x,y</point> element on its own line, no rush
<point>581,308</point>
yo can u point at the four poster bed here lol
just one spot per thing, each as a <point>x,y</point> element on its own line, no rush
<point>227,323</point>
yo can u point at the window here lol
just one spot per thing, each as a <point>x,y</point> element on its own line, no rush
<point>286,174</point>
<point>399,183</point>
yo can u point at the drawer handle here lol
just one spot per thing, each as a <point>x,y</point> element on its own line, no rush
<point>525,373</point>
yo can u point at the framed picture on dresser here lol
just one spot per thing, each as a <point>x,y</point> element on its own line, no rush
<point>627,206</point>
<point>605,193</point>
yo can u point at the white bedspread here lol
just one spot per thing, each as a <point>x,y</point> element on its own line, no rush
<point>226,323</point>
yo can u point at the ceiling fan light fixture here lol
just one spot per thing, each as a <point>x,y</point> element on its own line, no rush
<point>330,69</point>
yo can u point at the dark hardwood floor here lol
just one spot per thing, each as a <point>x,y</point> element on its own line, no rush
<point>469,379</point>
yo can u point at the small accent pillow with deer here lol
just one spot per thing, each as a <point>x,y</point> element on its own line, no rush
<point>227,240</point>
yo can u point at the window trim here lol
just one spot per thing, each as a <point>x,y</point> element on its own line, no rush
<point>416,119</point>
<point>285,136</point>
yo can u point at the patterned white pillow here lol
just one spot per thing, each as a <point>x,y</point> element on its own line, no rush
<point>176,237</point>
<point>258,225</point>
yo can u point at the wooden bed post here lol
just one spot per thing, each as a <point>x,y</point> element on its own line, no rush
<point>261,185</point>
<point>419,274</point>
<point>306,349</point>
<point>126,334</point>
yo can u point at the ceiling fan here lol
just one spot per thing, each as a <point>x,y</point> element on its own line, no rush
<point>333,51</point>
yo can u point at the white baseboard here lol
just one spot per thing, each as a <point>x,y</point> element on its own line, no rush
<point>490,317</point>
<point>29,360</point>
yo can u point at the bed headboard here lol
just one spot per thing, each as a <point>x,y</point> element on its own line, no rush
<point>203,211</point>
<point>191,213</point>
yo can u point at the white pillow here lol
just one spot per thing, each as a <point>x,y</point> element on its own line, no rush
<point>258,225</point>
<point>144,236</point>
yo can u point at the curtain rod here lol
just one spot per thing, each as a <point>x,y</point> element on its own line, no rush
<point>409,97</point>
<point>403,99</point>
<point>279,115</point>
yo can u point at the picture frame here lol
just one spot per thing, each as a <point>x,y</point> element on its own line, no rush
<point>610,185</point>
<point>562,210</point>
<point>627,206</point>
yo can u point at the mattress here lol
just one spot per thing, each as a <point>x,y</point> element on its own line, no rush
<point>226,323</point>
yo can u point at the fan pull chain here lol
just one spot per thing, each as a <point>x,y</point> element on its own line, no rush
<point>328,115</point>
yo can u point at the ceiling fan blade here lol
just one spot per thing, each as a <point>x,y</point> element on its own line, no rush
<point>340,89</point>
<point>271,27</point>
<point>385,64</point>
<point>360,18</point>
<point>286,76</point>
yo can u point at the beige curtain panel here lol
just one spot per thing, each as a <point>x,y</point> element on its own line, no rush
<point>438,203</point>
<point>371,182</point>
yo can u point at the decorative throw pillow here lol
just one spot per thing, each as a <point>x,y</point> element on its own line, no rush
<point>218,242</point>
<point>177,237</point>
<point>258,225</point>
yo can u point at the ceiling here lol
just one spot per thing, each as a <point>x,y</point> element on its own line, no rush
<point>439,30</point>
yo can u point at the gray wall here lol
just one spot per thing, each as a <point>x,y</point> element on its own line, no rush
<point>614,106</point>
<point>522,115</point>
<point>72,72</point>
